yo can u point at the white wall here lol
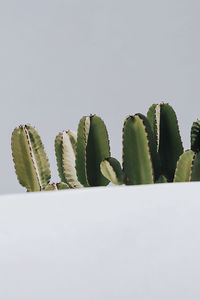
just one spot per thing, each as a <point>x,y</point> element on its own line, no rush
<point>62,59</point>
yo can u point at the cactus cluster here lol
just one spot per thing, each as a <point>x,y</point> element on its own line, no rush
<point>152,153</point>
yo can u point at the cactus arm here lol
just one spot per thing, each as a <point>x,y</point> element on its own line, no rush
<point>98,149</point>
<point>73,139</point>
<point>161,179</point>
<point>195,136</point>
<point>195,176</point>
<point>30,160</point>
<point>184,167</point>
<point>111,169</point>
<point>170,145</point>
<point>137,164</point>
<point>82,138</point>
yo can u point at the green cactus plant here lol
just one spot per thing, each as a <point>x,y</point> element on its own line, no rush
<point>164,124</point>
<point>92,147</point>
<point>30,160</point>
<point>140,163</point>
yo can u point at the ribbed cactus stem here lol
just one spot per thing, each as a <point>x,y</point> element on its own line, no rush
<point>92,147</point>
<point>137,161</point>
<point>65,148</point>
<point>30,160</point>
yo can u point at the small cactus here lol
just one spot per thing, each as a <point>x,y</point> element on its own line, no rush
<point>30,160</point>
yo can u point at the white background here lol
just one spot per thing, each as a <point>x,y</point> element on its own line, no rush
<point>62,59</point>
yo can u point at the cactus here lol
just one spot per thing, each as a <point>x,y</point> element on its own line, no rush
<point>30,160</point>
<point>137,160</point>
<point>92,148</point>
<point>111,169</point>
<point>65,149</point>
<point>164,124</point>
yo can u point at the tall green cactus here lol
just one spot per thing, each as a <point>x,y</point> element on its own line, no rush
<point>92,148</point>
<point>137,159</point>
<point>164,124</point>
<point>30,160</point>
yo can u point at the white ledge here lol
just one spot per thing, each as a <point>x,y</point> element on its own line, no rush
<point>113,243</point>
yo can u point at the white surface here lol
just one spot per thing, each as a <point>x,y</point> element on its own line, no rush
<point>62,59</point>
<point>114,243</point>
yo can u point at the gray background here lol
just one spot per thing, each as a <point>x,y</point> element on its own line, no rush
<point>60,60</point>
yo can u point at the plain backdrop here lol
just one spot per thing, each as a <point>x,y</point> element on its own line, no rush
<point>62,59</point>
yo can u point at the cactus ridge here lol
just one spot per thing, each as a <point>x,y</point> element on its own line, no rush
<point>151,139</point>
<point>153,115</point>
<point>137,162</point>
<point>195,136</point>
<point>32,155</point>
<point>82,138</point>
<point>58,151</point>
